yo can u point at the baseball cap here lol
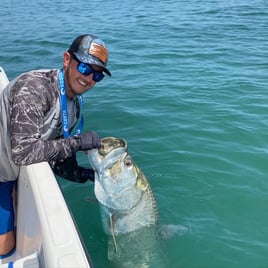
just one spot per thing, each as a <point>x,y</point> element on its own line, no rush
<point>90,49</point>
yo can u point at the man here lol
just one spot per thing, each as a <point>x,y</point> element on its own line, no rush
<point>39,110</point>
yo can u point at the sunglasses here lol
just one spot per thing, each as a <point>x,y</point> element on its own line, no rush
<point>86,69</point>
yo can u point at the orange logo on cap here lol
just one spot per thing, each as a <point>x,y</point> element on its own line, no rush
<point>98,51</point>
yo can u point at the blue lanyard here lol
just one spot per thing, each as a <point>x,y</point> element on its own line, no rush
<point>64,113</point>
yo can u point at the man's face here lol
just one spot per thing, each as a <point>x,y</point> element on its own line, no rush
<point>76,83</point>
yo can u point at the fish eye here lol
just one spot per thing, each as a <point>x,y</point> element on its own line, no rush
<point>128,162</point>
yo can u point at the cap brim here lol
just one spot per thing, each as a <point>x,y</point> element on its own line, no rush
<point>92,60</point>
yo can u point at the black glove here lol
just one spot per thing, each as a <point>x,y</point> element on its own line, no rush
<point>89,140</point>
<point>69,170</point>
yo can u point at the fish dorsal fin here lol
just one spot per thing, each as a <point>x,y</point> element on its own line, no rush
<point>112,221</point>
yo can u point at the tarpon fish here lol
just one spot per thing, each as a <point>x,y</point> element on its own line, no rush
<point>125,196</point>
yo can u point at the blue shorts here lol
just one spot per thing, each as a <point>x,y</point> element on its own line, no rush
<point>6,207</point>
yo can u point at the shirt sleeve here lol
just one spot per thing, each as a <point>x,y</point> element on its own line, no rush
<point>30,102</point>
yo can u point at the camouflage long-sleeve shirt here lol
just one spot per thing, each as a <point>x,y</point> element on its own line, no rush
<point>30,122</point>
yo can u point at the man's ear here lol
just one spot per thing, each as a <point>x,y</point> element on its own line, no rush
<point>66,58</point>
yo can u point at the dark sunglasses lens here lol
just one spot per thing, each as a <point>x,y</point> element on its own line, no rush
<point>98,76</point>
<point>84,69</point>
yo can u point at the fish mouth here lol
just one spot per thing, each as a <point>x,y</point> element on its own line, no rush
<point>109,152</point>
<point>109,144</point>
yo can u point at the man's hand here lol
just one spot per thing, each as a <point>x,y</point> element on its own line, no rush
<point>89,140</point>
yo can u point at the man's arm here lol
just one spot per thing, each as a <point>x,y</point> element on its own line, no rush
<point>30,103</point>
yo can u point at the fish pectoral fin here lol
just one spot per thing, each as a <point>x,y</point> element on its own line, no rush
<point>112,222</point>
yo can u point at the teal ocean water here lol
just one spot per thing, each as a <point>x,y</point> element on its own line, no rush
<point>189,93</point>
